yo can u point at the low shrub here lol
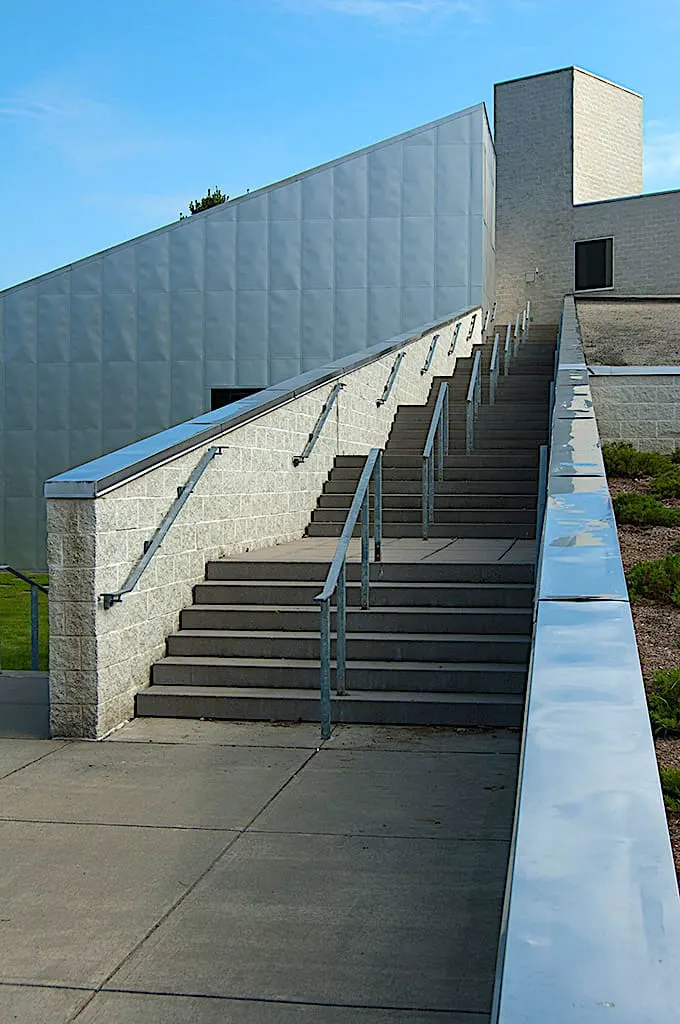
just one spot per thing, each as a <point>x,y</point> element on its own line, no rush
<point>623,459</point>
<point>643,510</point>
<point>667,485</point>
<point>675,456</point>
<point>670,787</point>
<point>658,579</point>
<point>664,702</point>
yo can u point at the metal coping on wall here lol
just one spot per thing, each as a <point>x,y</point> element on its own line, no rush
<point>591,905</point>
<point>94,478</point>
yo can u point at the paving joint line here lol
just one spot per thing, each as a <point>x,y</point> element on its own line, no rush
<point>48,753</point>
<point>180,899</point>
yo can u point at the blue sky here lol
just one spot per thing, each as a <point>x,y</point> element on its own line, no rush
<point>114,115</point>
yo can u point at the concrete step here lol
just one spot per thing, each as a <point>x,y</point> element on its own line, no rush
<point>437,647</point>
<point>282,593</point>
<point>519,459</point>
<point>413,470</point>
<point>396,619</point>
<point>394,499</point>
<point>443,515</point>
<point>449,530</point>
<point>391,707</point>
<point>374,676</point>
<point>468,573</point>
<point>483,488</point>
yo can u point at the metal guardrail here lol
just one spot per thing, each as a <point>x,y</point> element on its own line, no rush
<point>315,434</point>
<point>471,331</point>
<point>430,354</point>
<point>494,368</point>
<point>454,339</point>
<point>472,402</point>
<point>516,336</point>
<point>151,547</point>
<point>390,380</point>
<point>35,620</point>
<point>439,432</point>
<point>337,581</point>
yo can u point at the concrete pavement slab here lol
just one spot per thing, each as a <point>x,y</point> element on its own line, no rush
<point>343,920</point>
<point>15,754</point>
<point>227,734</point>
<point>36,1004</point>
<point>76,899</point>
<point>149,784</point>
<point>379,793</point>
<point>425,738</point>
<point>134,1008</point>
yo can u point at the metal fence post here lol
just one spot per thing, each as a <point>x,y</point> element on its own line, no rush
<point>506,351</point>
<point>378,509</point>
<point>426,496</point>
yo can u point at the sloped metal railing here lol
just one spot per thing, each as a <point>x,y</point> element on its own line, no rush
<point>336,581</point>
<point>35,618</point>
<point>439,434</point>
<point>320,423</point>
<point>472,402</point>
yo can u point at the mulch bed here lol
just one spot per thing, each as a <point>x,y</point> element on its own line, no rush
<point>657,626</point>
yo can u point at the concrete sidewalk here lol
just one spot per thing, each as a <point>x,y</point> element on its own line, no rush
<point>208,872</point>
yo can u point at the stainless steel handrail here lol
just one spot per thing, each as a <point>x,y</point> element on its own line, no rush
<point>507,350</point>
<point>472,326</point>
<point>430,354</point>
<point>390,380</point>
<point>474,397</point>
<point>151,547</point>
<point>35,621</point>
<point>515,342</point>
<point>323,416</point>
<point>493,313</point>
<point>337,580</point>
<point>486,321</point>
<point>439,430</point>
<point>454,339</point>
<point>494,367</point>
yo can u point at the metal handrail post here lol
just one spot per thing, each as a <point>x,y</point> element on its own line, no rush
<point>506,351</point>
<point>472,403</point>
<point>446,423</point>
<point>378,509</point>
<point>35,640</point>
<point>542,494</point>
<point>515,342</point>
<point>426,497</point>
<point>325,682</point>
<point>440,450</point>
<point>430,509</point>
<point>341,631</point>
<point>365,552</point>
<point>493,370</point>
<point>438,433</point>
<point>523,332</point>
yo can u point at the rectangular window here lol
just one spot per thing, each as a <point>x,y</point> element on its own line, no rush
<point>220,397</point>
<point>595,264</point>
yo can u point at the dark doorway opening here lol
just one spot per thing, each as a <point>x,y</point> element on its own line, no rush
<point>220,397</point>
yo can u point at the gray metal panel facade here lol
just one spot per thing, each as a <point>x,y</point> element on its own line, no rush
<point>125,343</point>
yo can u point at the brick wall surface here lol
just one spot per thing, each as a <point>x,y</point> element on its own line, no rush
<point>250,497</point>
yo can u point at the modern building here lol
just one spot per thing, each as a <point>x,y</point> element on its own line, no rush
<point>328,263</point>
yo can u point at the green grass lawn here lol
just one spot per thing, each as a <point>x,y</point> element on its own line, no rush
<point>15,622</point>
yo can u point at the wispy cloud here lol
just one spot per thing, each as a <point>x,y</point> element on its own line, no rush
<point>662,157</point>
<point>394,11</point>
<point>78,128</point>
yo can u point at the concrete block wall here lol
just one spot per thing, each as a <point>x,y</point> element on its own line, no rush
<point>250,497</point>
<point>605,114</point>
<point>533,137</point>
<point>646,232</point>
<point>641,406</point>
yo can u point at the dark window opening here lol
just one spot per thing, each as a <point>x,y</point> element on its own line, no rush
<point>220,397</point>
<point>594,264</point>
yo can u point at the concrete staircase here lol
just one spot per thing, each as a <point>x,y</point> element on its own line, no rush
<point>444,643</point>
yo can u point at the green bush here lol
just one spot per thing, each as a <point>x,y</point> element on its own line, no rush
<point>664,702</point>
<point>658,579</point>
<point>642,510</point>
<point>667,485</point>
<point>675,457</point>
<point>623,459</point>
<point>670,786</point>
